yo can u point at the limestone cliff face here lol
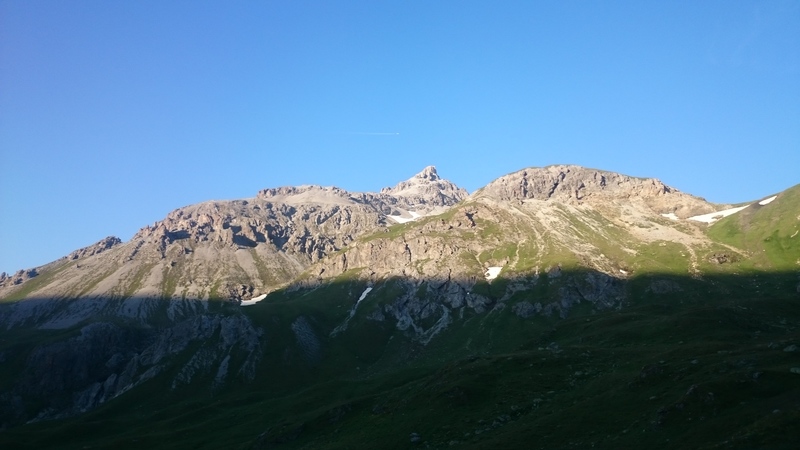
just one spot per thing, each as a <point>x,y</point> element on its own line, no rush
<point>307,229</point>
<point>522,226</point>
<point>575,185</point>
<point>431,250</point>
<point>240,249</point>
<point>311,221</point>
<point>426,191</point>
<point>228,249</point>
<point>96,248</point>
<point>17,278</point>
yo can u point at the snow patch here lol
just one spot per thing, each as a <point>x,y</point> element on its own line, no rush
<point>767,201</point>
<point>401,219</point>
<point>363,295</point>
<point>343,326</point>
<point>492,273</point>
<point>713,217</point>
<point>253,300</point>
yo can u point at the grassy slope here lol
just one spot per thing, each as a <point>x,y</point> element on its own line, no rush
<point>769,233</point>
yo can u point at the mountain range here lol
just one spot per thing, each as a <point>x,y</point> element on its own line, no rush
<point>556,307</point>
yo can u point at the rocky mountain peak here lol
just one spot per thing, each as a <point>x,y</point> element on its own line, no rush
<point>429,173</point>
<point>576,184</point>
<point>427,188</point>
<point>568,182</point>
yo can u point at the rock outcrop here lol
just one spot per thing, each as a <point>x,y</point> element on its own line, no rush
<point>426,191</point>
<point>17,278</point>
<point>96,248</point>
<point>105,360</point>
<point>575,185</point>
<point>198,251</point>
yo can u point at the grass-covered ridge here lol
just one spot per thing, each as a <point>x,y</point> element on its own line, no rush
<point>770,233</point>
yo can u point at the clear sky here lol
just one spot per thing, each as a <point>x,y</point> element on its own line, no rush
<point>113,113</point>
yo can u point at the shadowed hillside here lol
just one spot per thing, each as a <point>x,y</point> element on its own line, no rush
<point>708,363</point>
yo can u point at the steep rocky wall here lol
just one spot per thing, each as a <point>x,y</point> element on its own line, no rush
<point>208,249</point>
<point>575,184</point>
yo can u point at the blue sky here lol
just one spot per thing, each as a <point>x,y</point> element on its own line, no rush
<point>113,113</point>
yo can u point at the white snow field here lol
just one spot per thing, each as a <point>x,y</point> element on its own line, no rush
<point>253,300</point>
<point>343,326</point>
<point>401,219</point>
<point>715,216</point>
<point>767,201</point>
<point>492,273</point>
<point>363,295</point>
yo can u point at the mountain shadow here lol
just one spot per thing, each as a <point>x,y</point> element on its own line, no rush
<point>564,358</point>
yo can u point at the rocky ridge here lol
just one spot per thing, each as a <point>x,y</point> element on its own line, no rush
<point>529,206</point>
<point>235,249</point>
<point>577,185</point>
<point>96,248</point>
<point>17,277</point>
<point>573,235</point>
<point>526,225</point>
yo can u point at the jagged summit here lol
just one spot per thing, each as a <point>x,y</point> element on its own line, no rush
<point>429,173</point>
<point>427,176</point>
<point>233,249</point>
<point>427,189</point>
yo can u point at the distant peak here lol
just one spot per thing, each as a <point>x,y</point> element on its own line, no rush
<point>426,188</point>
<point>428,173</point>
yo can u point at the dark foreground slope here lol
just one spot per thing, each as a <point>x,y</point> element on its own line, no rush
<point>706,369</point>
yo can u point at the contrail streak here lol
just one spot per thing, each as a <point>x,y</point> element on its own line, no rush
<point>370,133</point>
